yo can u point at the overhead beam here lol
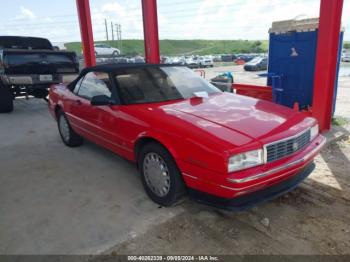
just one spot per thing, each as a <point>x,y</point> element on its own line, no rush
<point>150,30</point>
<point>87,38</point>
<point>326,61</point>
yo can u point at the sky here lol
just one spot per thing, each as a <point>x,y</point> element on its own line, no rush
<point>178,19</point>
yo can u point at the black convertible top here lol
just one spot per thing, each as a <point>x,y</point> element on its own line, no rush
<point>110,68</point>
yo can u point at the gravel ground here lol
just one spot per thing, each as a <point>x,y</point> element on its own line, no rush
<point>313,219</point>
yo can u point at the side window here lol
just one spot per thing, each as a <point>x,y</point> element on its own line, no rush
<point>95,84</point>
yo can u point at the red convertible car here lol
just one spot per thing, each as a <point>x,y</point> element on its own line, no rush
<point>186,136</point>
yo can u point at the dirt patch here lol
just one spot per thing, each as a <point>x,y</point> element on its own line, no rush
<point>313,219</point>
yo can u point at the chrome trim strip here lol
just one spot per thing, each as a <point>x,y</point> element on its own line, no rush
<point>189,176</point>
<point>260,183</point>
<point>280,168</point>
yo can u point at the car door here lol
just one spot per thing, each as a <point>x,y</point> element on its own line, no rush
<point>82,113</point>
<point>98,49</point>
<point>101,122</point>
<point>105,50</point>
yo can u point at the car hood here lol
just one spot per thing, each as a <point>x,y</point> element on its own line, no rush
<point>254,118</point>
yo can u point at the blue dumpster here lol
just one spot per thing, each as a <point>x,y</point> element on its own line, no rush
<point>292,57</point>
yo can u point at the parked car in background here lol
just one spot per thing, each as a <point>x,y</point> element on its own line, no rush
<point>256,64</point>
<point>137,60</point>
<point>217,58</point>
<point>106,50</point>
<point>346,57</point>
<point>205,61</point>
<point>177,60</point>
<point>185,135</point>
<point>59,46</point>
<point>228,58</point>
<point>190,62</point>
<point>28,66</point>
<point>245,57</point>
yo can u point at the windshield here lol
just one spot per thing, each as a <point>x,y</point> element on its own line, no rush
<point>255,60</point>
<point>159,84</point>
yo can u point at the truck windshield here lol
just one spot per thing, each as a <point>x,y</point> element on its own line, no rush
<point>159,84</point>
<point>21,59</point>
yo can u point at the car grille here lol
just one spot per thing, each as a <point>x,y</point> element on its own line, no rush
<point>287,147</point>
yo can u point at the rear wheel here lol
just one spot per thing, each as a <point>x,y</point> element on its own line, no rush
<point>68,135</point>
<point>6,99</point>
<point>160,175</point>
<point>115,53</point>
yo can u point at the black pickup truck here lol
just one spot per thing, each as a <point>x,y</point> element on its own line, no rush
<point>28,66</point>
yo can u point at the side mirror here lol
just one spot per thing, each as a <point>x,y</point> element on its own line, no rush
<point>102,100</point>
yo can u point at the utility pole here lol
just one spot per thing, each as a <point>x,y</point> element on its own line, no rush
<point>117,31</point>
<point>112,29</point>
<point>106,29</point>
<point>119,36</point>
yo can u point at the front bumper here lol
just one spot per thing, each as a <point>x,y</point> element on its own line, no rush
<point>254,179</point>
<point>249,200</point>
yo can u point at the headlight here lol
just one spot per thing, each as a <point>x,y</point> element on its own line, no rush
<point>245,160</point>
<point>314,132</point>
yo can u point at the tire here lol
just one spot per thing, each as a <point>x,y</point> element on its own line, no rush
<point>6,99</point>
<point>115,53</point>
<point>150,160</point>
<point>68,135</point>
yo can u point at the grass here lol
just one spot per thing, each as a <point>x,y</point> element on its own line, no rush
<point>339,121</point>
<point>133,47</point>
<point>184,47</point>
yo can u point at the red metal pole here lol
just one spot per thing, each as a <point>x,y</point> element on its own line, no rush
<point>326,61</point>
<point>87,37</point>
<point>150,30</point>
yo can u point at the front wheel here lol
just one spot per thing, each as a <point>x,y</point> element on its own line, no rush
<point>160,175</point>
<point>68,135</point>
<point>6,99</point>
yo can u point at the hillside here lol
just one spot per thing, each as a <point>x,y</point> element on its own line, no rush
<point>181,47</point>
<point>193,47</point>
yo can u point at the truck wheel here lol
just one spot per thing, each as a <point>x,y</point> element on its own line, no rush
<point>160,175</point>
<point>6,99</point>
<point>68,135</point>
